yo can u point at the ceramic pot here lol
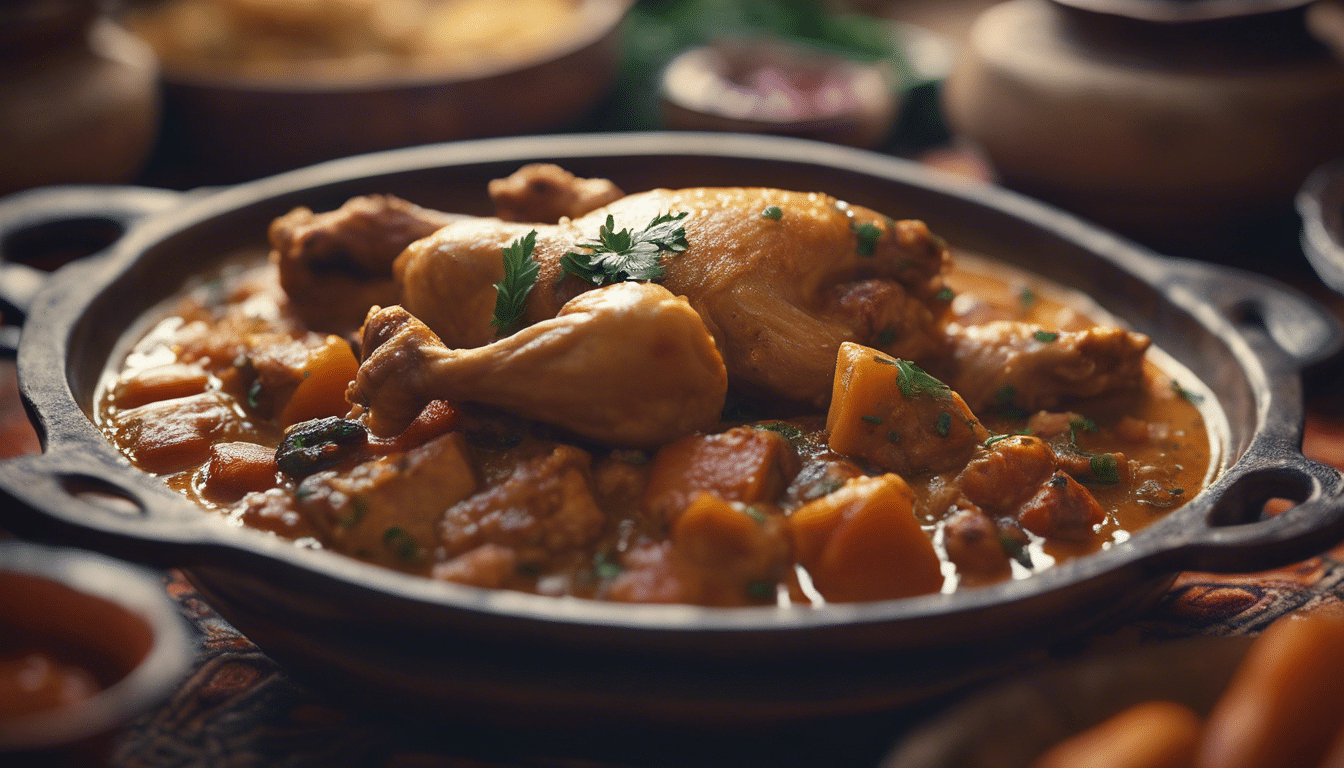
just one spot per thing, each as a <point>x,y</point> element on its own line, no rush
<point>1169,121</point>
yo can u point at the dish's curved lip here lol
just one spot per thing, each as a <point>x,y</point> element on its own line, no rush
<point>131,589</point>
<point>195,530</point>
<point>596,19</point>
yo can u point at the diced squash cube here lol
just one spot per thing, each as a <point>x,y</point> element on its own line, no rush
<point>894,415</point>
<point>321,391</point>
<point>741,464</point>
<point>862,542</point>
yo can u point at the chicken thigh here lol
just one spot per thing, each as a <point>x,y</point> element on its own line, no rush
<point>627,364</point>
<point>780,278</point>
<point>1009,363</point>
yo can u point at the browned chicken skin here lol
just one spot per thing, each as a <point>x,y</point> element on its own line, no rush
<point>336,265</point>
<point>778,295</point>
<point>628,364</point>
<point>1023,365</point>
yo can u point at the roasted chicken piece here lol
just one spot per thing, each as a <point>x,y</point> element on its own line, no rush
<point>629,364</point>
<point>781,279</point>
<point>1006,363</point>
<point>335,265</point>
<point>542,192</point>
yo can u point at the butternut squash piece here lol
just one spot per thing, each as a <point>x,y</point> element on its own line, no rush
<point>327,374</point>
<point>731,539</point>
<point>235,469</point>
<point>1154,734</point>
<point>1285,702</point>
<point>163,382</point>
<point>862,542</point>
<point>741,464</point>
<point>891,413</point>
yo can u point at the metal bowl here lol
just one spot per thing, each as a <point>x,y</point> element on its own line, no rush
<point>446,647</point>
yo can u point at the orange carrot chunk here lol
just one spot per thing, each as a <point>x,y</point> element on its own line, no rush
<point>1286,700</point>
<point>1154,734</point>
<point>863,542</point>
<point>234,469</point>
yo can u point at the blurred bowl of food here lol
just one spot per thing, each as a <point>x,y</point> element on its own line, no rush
<point>1320,203</point>
<point>256,86</point>
<point>770,86</point>
<point>86,644</point>
<point>1211,700</point>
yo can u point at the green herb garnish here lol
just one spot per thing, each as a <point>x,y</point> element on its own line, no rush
<point>1045,336</point>
<point>604,567</point>
<point>402,544</point>
<point>874,420</point>
<point>1105,469</point>
<point>618,256</point>
<point>1194,398</point>
<point>946,294</point>
<point>793,434</point>
<point>773,212</point>
<point>1026,297</point>
<point>760,590</point>
<point>1015,433</point>
<point>868,235</point>
<point>754,513</point>
<point>914,381</point>
<point>944,424</point>
<point>520,274</point>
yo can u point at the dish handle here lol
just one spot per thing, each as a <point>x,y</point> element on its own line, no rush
<point>62,219</point>
<point>1287,333</point>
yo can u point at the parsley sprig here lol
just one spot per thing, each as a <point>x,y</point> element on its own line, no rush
<point>621,255</point>
<point>520,274</point>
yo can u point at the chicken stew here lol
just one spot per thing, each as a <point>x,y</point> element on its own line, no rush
<point>717,396</point>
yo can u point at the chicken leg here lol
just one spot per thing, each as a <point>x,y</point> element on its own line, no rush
<point>628,364</point>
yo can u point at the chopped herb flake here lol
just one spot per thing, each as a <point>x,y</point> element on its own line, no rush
<point>944,424</point>
<point>773,212</point>
<point>790,432</point>
<point>1194,398</point>
<point>754,513</point>
<point>1105,469</point>
<point>913,381</point>
<point>872,419</point>
<point>1016,549</point>
<point>760,590</point>
<point>1059,480</point>
<point>401,543</point>
<point>604,567</point>
<point>893,436</point>
<point>947,294</point>
<point>1026,297</point>
<point>1045,337</point>
<point>868,235</point>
